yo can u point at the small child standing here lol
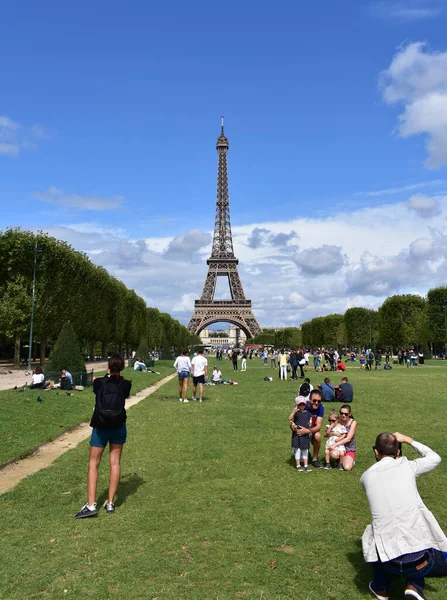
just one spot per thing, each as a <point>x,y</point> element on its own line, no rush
<point>299,424</point>
<point>362,361</point>
<point>335,431</point>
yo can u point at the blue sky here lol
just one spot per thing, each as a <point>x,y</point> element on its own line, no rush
<point>336,113</point>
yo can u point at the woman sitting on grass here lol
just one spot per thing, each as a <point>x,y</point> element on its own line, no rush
<point>109,427</point>
<point>336,432</point>
<point>216,376</point>
<point>347,419</point>
<point>38,380</point>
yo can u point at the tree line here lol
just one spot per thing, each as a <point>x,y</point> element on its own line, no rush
<point>289,337</point>
<point>405,320</point>
<point>69,287</point>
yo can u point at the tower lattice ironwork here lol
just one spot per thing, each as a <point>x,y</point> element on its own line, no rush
<point>223,263</point>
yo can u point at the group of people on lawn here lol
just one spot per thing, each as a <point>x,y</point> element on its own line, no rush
<point>306,422</point>
<point>404,537</point>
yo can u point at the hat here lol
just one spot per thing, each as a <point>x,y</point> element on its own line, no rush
<point>300,400</point>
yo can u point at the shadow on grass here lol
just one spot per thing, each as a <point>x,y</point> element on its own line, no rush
<point>363,570</point>
<point>291,461</point>
<point>128,486</point>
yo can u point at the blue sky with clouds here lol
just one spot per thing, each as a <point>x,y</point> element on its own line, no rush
<point>336,113</point>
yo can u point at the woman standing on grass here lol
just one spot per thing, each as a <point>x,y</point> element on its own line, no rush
<point>348,421</point>
<point>183,367</point>
<point>109,427</point>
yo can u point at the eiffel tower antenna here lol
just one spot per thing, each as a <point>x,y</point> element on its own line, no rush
<point>223,263</point>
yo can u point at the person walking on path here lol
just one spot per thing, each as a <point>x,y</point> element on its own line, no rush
<point>109,427</point>
<point>199,372</point>
<point>183,366</point>
<point>244,361</point>
<point>404,537</point>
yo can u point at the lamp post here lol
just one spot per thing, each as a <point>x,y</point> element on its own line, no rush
<point>445,324</point>
<point>30,350</point>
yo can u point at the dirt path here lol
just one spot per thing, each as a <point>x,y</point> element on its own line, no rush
<point>46,454</point>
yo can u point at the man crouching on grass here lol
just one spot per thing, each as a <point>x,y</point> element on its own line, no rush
<point>404,537</point>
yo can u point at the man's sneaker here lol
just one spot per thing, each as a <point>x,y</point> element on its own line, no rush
<point>194,398</point>
<point>316,463</point>
<point>414,591</point>
<point>110,507</point>
<point>86,512</point>
<point>200,400</point>
<point>308,469</point>
<point>379,594</point>
<point>186,400</point>
<point>300,468</point>
<point>180,400</point>
<point>340,467</point>
<point>328,466</point>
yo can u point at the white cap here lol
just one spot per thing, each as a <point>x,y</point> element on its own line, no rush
<point>300,400</point>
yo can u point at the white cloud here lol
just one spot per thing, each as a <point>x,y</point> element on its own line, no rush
<point>15,137</point>
<point>424,206</point>
<point>404,188</point>
<point>185,304</point>
<point>417,80</point>
<point>408,10</point>
<point>422,248</point>
<point>185,245</point>
<point>55,196</point>
<point>264,237</point>
<point>317,261</point>
<point>376,251</point>
<point>298,300</point>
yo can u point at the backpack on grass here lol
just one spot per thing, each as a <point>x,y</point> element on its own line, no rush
<point>110,406</point>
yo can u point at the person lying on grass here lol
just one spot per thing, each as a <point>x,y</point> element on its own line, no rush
<point>109,428</point>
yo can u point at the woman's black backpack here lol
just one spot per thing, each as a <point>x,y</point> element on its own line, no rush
<point>110,405</point>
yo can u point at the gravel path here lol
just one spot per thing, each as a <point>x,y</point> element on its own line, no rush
<point>17,377</point>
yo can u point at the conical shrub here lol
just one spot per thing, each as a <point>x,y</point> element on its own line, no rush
<point>66,353</point>
<point>143,350</point>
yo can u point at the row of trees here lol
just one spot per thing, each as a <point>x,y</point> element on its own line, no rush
<point>69,287</point>
<point>289,337</point>
<point>404,320</point>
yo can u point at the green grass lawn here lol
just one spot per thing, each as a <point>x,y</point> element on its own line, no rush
<point>26,424</point>
<point>211,506</point>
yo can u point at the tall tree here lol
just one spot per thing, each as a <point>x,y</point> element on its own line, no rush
<point>361,326</point>
<point>400,318</point>
<point>437,315</point>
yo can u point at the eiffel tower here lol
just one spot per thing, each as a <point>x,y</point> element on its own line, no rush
<point>223,263</point>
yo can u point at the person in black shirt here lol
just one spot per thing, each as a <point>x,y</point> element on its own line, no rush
<point>345,391</point>
<point>109,427</point>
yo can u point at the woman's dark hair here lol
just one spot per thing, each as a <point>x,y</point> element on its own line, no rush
<point>185,351</point>
<point>116,364</point>
<point>38,370</point>
<point>349,408</point>
<point>327,380</point>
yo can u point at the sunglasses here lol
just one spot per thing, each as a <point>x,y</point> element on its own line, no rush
<point>332,420</point>
<point>344,414</point>
<point>316,401</point>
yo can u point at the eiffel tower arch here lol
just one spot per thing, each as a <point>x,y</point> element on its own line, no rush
<point>223,263</point>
